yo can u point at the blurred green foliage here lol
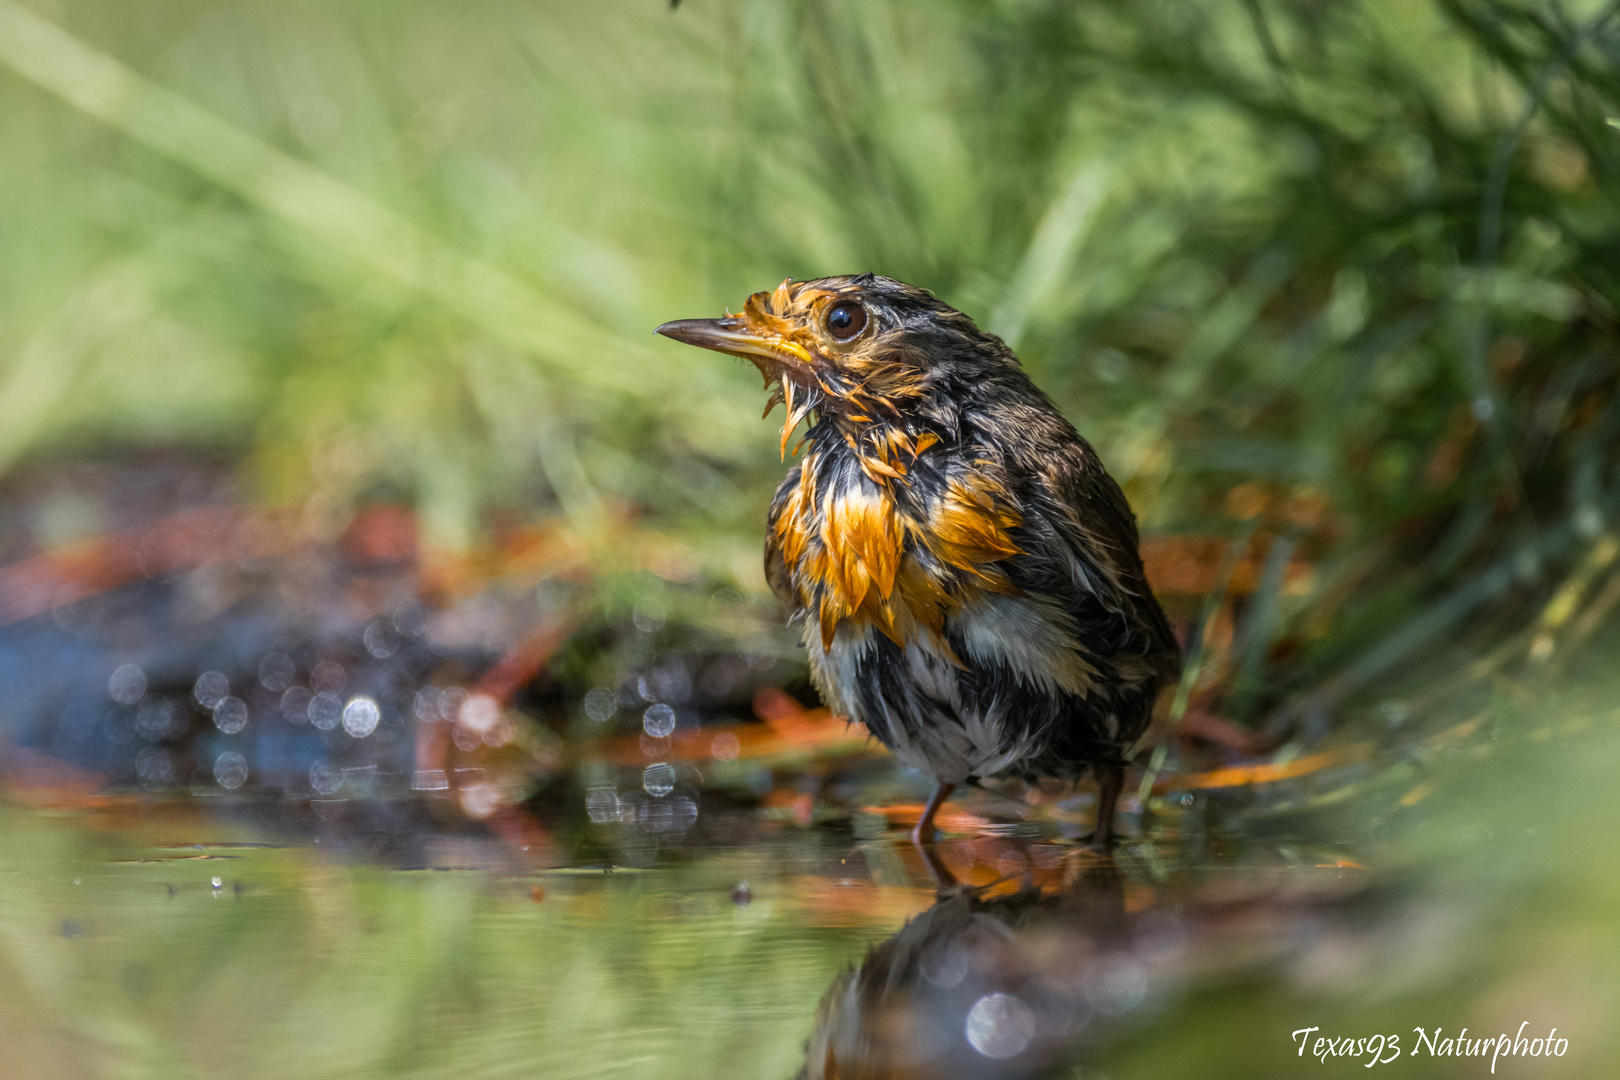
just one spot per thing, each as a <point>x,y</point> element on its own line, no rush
<point>1359,257</point>
<point>124,960</point>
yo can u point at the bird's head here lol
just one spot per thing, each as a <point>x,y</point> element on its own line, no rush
<point>861,346</point>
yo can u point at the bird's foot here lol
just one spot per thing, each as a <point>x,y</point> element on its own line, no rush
<point>923,833</point>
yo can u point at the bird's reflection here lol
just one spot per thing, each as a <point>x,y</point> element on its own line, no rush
<point>1001,985</point>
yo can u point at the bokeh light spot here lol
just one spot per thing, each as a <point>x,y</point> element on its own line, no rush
<point>154,766</point>
<point>154,719</point>
<point>231,715</point>
<point>211,688</point>
<point>360,717</point>
<point>658,779</point>
<point>276,672</point>
<point>602,803</point>
<point>295,705</point>
<point>381,639</point>
<point>231,770</point>
<point>1000,1026</point>
<point>600,704</point>
<point>325,710</point>
<point>328,677</point>
<point>127,685</point>
<point>658,721</point>
<point>325,777</point>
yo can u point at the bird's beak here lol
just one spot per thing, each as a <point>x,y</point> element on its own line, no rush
<point>733,336</point>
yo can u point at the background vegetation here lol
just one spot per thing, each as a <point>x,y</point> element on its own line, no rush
<point>1344,271</point>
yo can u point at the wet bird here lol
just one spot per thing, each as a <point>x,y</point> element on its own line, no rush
<point>965,572</point>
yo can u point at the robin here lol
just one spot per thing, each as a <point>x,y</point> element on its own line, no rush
<point>965,572</point>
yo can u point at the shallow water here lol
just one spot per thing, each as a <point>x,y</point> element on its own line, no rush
<point>186,936</point>
<point>271,809</point>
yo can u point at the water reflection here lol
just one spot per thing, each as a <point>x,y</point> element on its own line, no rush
<point>1030,974</point>
<point>983,985</point>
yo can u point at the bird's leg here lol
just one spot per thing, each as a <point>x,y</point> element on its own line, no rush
<point>924,832</point>
<point>945,883</point>
<point>1110,779</point>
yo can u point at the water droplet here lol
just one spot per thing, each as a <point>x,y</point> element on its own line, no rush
<point>500,733</point>
<point>219,883</point>
<point>410,617</point>
<point>381,639</point>
<point>325,777</point>
<point>154,766</point>
<point>127,684</point>
<point>325,710</point>
<point>600,704</point>
<point>154,719</point>
<point>683,814</point>
<point>276,672</point>
<point>741,894</point>
<point>946,964</point>
<point>725,747</point>
<point>231,770</point>
<point>211,688</point>
<point>295,704</point>
<point>650,615</point>
<point>426,704</point>
<point>602,803</point>
<point>451,699</point>
<point>658,779</point>
<point>1000,1026</point>
<point>720,677</point>
<point>658,817</point>
<point>360,717</point>
<point>328,677</point>
<point>658,721</point>
<point>670,681</point>
<point>119,725</point>
<point>231,715</point>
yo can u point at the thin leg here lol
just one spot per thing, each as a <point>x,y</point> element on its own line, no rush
<point>1110,779</point>
<point>924,832</point>
<point>945,883</point>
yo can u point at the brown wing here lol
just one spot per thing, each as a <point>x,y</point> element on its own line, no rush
<point>1101,527</point>
<point>1084,531</point>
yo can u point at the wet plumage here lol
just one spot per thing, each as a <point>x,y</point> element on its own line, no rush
<point>965,571</point>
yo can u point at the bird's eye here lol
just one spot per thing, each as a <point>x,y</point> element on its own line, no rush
<point>846,320</point>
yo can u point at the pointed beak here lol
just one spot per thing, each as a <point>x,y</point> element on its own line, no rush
<point>721,335</point>
<point>732,336</point>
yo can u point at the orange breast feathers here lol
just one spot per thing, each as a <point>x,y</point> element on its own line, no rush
<point>855,556</point>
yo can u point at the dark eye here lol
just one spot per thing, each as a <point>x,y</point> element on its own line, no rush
<point>846,320</point>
